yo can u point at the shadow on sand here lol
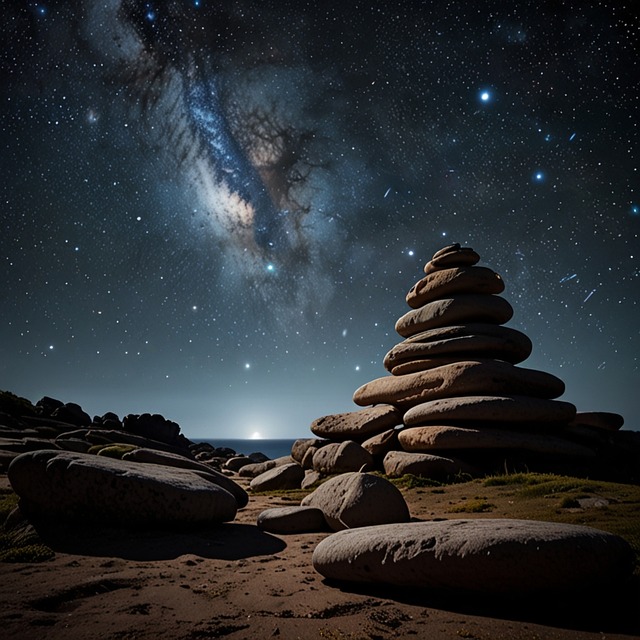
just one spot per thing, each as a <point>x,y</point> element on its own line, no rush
<point>224,542</point>
<point>610,610</point>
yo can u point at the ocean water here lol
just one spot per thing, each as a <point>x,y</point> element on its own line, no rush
<point>270,447</point>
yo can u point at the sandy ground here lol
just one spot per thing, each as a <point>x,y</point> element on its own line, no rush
<point>235,582</point>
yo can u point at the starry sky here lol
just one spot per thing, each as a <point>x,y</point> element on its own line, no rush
<point>214,210</point>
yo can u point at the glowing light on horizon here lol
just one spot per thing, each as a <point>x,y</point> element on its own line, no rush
<point>256,436</point>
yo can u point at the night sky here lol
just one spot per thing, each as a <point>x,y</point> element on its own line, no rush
<point>214,210</point>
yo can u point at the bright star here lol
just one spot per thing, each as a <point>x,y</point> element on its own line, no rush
<point>484,96</point>
<point>247,365</point>
<point>538,176</point>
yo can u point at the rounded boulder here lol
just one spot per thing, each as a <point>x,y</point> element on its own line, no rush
<point>483,556</point>
<point>358,500</point>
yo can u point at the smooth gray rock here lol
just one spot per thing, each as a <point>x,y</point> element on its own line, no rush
<point>292,520</point>
<point>358,500</point>
<point>424,465</point>
<point>342,457</point>
<point>299,447</point>
<point>482,556</point>
<point>77,486</point>
<point>516,409</point>
<point>254,470</point>
<point>458,309</point>
<point>357,425</point>
<point>281,478</point>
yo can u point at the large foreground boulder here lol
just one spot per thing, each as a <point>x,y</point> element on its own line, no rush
<point>74,486</point>
<point>492,556</point>
<point>151,456</point>
<point>358,500</point>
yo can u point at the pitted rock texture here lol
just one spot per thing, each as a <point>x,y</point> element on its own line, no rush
<point>447,282</point>
<point>516,410</point>
<point>482,556</point>
<point>460,309</point>
<point>358,500</point>
<point>357,425</point>
<point>474,377</point>
<point>76,486</point>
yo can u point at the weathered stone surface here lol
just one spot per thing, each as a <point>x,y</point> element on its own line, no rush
<point>453,256</point>
<point>482,556</point>
<point>281,478</point>
<point>299,447</point>
<point>307,460</point>
<point>599,419</point>
<point>437,438</point>
<point>340,457</point>
<point>422,364</point>
<point>253,470</point>
<point>460,309</point>
<point>474,377</point>
<point>292,520</point>
<point>447,282</point>
<point>76,486</point>
<point>152,456</point>
<point>357,500</point>
<point>311,477</point>
<point>516,410</point>
<point>382,443</point>
<point>400,463</point>
<point>97,436</point>
<point>357,425</point>
<point>465,342</point>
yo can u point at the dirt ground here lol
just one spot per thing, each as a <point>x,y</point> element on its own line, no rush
<point>235,581</point>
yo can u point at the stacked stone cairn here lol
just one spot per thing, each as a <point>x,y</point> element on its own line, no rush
<point>458,394</point>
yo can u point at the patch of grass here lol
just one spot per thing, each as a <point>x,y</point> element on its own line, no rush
<point>473,506</point>
<point>409,481</point>
<point>569,502</point>
<point>27,553</point>
<point>8,502</point>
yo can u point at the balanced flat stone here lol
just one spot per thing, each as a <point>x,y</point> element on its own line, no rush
<point>422,364</point>
<point>459,309</point>
<point>357,425</point>
<point>467,378</point>
<point>516,410</point>
<point>453,256</point>
<point>599,420</point>
<point>341,457</point>
<point>292,520</point>
<point>445,438</point>
<point>358,500</point>
<point>447,282</point>
<point>399,463</point>
<point>75,486</point>
<point>501,557</point>
<point>476,340</point>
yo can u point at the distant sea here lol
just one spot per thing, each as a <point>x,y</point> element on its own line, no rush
<point>271,448</point>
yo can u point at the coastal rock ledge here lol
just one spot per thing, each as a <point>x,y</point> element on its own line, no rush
<point>491,556</point>
<point>74,486</point>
